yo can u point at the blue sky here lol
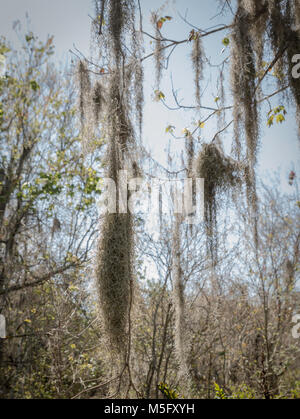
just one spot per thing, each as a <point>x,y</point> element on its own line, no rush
<point>69,22</point>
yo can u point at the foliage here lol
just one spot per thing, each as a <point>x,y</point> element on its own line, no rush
<point>219,393</point>
<point>45,181</point>
<point>167,392</point>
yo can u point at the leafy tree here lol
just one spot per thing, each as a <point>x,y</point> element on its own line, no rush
<point>47,192</point>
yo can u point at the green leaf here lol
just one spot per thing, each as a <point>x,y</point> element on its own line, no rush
<point>220,392</point>
<point>167,392</point>
<point>29,38</point>
<point>270,121</point>
<point>34,85</point>
<point>159,95</point>
<point>226,41</point>
<point>170,129</point>
<point>186,132</point>
<point>4,49</point>
<point>279,112</point>
<point>280,118</point>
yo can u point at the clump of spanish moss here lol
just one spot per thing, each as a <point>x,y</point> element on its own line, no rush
<point>190,158</point>
<point>118,94</point>
<point>89,114</point>
<point>293,49</point>
<point>84,89</point>
<point>198,64</point>
<point>114,273</point>
<point>256,10</point>
<point>115,250</point>
<point>180,332</point>
<point>237,114</point>
<point>253,21</point>
<point>250,6</point>
<point>158,51</point>
<point>237,125</point>
<point>221,100</point>
<point>190,153</point>
<point>139,92</point>
<point>220,173</point>
<point>250,182</point>
<point>278,38</point>
<point>98,100</point>
<point>243,83</point>
<point>118,16</point>
<point>244,89</point>
<point>138,76</point>
<point>284,34</point>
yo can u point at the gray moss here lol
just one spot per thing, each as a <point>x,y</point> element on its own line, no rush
<point>198,64</point>
<point>220,174</point>
<point>181,338</point>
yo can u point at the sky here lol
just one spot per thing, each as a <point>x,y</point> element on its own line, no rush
<point>69,21</point>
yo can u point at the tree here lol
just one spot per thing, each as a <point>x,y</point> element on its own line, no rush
<point>47,191</point>
<point>98,305</point>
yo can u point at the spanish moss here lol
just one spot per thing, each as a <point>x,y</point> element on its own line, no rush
<point>243,81</point>
<point>220,174</point>
<point>180,331</point>
<point>84,89</point>
<point>198,64</point>
<point>116,243</point>
<point>158,51</point>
